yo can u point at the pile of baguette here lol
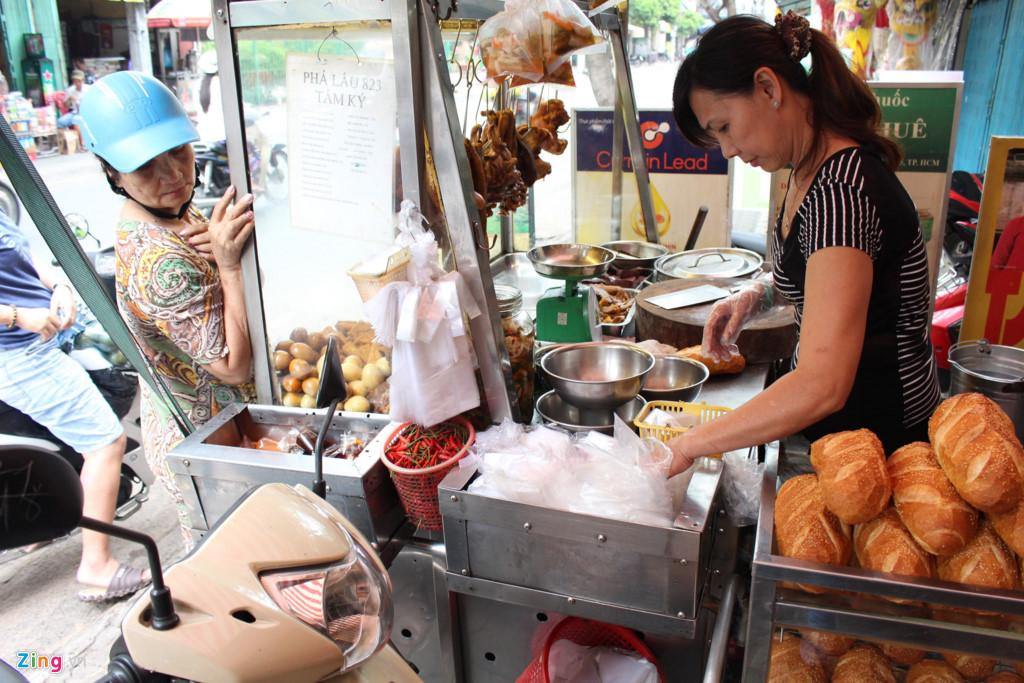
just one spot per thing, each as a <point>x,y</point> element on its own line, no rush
<point>952,509</point>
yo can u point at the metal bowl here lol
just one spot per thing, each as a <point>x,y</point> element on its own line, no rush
<point>554,411</point>
<point>635,253</point>
<point>597,375</point>
<point>565,261</point>
<point>675,379</point>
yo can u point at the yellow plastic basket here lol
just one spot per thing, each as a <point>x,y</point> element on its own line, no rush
<point>369,285</point>
<point>703,411</point>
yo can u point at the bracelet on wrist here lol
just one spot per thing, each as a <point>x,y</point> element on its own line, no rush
<point>14,317</point>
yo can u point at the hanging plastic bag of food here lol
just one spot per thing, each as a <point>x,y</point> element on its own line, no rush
<point>511,42</point>
<point>598,6</point>
<point>566,32</point>
<point>423,321</point>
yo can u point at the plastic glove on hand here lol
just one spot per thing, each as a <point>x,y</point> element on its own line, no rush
<point>728,317</point>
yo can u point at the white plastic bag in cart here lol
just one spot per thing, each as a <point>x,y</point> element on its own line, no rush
<point>572,663</point>
<point>741,485</point>
<point>423,321</point>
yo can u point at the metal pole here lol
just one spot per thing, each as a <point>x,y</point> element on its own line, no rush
<point>409,77</point>
<point>632,126</point>
<point>720,637</point>
<point>238,163</point>
<point>138,37</point>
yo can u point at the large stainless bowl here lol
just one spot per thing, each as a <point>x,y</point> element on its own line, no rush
<point>675,379</point>
<point>597,375</point>
<point>563,261</point>
<point>554,411</point>
<point>635,253</point>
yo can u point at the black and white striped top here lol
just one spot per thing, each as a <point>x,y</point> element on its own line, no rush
<point>856,201</point>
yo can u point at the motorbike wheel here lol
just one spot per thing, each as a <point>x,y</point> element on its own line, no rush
<point>9,203</point>
<point>277,176</point>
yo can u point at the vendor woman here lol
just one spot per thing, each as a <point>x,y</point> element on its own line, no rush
<point>849,253</point>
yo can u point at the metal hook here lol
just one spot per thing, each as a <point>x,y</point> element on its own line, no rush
<point>334,34</point>
<point>455,46</point>
<point>435,5</point>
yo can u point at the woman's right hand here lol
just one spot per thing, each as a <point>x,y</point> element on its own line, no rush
<point>38,320</point>
<point>230,227</point>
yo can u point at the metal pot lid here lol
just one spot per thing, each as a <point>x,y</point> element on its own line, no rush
<point>992,362</point>
<point>713,262</point>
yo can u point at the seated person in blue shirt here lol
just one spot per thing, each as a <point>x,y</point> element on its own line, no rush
<point>41,381</point>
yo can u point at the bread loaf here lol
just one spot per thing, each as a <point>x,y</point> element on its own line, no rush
<point>971,667</point>
<point>1010,527</point>
<point>794,661</point>
<point>985,561</point>
<point>1004,677</point>
<point>852,473</point>
<point>933,671</point>
<point>885,545</point>
<point>733,365</point>
<point>804,527</point>
<point>978,450</point>
<point>900,654</point>
<point>931,509</point>
<point>863,664</point>
<point>832,644</point>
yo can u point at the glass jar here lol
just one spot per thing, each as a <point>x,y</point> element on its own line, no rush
<point>519,337</point>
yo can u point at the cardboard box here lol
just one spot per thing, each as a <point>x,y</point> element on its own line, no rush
<point>67,141</point>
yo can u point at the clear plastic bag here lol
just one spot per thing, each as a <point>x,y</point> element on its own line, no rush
<point>741,486</point>
<point>531,40</point>
<point>423,321</point>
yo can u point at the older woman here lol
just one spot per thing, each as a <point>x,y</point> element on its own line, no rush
<point>179,281</point>
<point>849,253</point>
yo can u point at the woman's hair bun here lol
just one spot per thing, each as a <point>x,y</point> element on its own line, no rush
<point>795,32</point>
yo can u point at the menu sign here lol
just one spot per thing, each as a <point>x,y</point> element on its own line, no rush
<point>341,144</point>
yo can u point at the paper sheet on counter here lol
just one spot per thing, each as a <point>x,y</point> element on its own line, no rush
<point>701,294</point>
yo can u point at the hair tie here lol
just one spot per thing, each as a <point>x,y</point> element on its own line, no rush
<point>795,32</point>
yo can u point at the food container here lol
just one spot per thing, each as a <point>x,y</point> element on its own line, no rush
<point>675,379</point>
<point>711,263</point>
<point>213,472</point>
<point>993,370</point>
<point>635,253</point>
<point>519,333</point>
<point>627,328</point>
<point>597,375</point>
<point>559,413</point>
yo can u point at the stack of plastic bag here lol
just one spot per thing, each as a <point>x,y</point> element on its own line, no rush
<point>423,321</point>
<point>572,663</point>
<point>620,477</point>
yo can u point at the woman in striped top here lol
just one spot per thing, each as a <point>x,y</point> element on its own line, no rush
<point>849,254</point>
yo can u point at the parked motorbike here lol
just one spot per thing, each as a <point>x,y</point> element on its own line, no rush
<point>282,588</point>
<point>9,202</point>
<point>962,210</point>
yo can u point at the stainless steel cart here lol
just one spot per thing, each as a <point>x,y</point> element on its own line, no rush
<point>856,611</point>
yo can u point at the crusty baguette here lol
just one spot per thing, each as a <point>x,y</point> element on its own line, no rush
<point>885,545</point>
<point>1004,677</point>
<point>1010,527</point>
<point>733,365</point>
<point>852,474</point>
<point>832,644</point>
<point>971,667</point>
<point>805,529</point>
<point>933,671</point>
<point>979,451</point>
<point>985,561</point>
<point>863,664</point>
<point>901,654</point>
<point>794,661</point>
<point>933,512</point>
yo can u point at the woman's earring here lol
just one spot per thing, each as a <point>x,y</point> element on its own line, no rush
<point>775,104</point>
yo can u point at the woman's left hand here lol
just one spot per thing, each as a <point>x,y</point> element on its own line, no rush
<point>62,305</point>
<point>198,237</point>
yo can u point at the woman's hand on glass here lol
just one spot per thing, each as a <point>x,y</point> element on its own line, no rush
<point>230,226</point>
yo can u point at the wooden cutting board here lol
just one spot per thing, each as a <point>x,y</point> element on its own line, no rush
<point>769,337</point>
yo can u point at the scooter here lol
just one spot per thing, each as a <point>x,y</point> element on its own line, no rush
<point>9,202</point>
<point>282,588</point>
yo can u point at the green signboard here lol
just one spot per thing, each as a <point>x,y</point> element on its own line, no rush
<point>920,119</point>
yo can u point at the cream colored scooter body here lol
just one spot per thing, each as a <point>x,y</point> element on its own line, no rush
<point>222,578</point>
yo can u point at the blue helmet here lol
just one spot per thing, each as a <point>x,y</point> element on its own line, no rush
<point>128,118</point>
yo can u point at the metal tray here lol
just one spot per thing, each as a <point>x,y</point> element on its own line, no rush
<point>213,473</point>
<point>627,328</point>
<point>710,263</point>
<point>645,577</point>
<point>851,608</point>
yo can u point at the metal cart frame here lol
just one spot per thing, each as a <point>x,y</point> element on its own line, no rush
<point>772,607</point>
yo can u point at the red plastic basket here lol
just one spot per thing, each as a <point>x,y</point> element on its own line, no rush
<point>588,633</point>
<point>417,489</point>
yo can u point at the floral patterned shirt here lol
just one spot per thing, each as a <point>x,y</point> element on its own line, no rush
<point>172,301</point>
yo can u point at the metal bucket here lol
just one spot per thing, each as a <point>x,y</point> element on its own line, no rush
<point>993,370</point>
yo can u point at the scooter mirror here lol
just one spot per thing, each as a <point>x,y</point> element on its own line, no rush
<point>80,226</point>
<point>42,496</point>
<point>332,379</point>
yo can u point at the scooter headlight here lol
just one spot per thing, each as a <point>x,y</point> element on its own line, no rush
<point>348,601</point>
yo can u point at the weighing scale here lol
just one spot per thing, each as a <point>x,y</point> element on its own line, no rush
<point>568,313</point>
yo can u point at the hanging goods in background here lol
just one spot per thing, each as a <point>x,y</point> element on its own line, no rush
<point>423,321</point>
<point>569,314</point>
